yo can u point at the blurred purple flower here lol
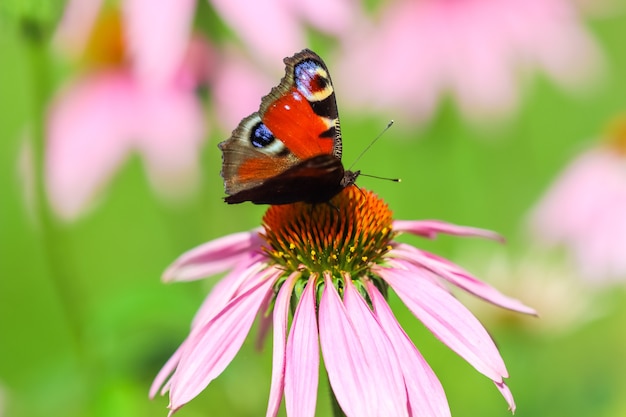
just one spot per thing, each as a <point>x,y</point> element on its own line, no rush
<point>474,50</point>
<point>585,210</point>
<point>334,264</point>
<point>274,29</point>
<point>236,87</point>
<point>136,94</point>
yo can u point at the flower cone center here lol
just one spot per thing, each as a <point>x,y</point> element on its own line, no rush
<point>106,44</point>
<point>346,234</point>
<point>616,134</point>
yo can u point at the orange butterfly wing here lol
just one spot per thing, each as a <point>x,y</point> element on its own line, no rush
<point>290,150</point>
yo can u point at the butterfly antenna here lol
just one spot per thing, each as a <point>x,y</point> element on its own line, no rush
<point>381,178</point>
<point>370,145</point>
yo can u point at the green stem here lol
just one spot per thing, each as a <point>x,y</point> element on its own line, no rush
<point>36,37</point>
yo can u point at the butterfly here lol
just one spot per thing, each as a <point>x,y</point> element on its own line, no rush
<point>289,150</point>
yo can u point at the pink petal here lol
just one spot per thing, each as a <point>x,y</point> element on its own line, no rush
<point>233,284</point>
<point>302,367</point>
<point>213,257</point>
<point>87,139</point>
<point>455,275</point>
<point>79,17</point>
<point>214,346</point>
<point>281,317</point>
<point>448,319</point>
<point>168,126</point>
<point>575,199</point>
<point>344,357</point>
<point>422,43</point>
<point>430,228</point>
<point>330,16</point>
<point>162,378</point>
<point>236,282</point>
<point>285,34</point>
<point>506,393</point>
<point>265,322</point>
<point>237,88</point>
<point>382,362</point>
<point>426,395</point>
<point>157,36</point>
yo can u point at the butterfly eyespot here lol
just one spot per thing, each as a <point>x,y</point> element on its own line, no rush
<point>312,81</point>
<point>261,136</point>
<point>290,149</point>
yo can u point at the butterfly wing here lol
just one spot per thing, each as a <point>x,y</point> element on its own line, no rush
<point>298,120</point>
<point>314,180</point>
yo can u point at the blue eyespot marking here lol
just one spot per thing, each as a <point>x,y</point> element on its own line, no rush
<point>261,136</point>
<point>308,79</point>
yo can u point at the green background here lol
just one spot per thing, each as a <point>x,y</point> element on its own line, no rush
<point>90,343</point>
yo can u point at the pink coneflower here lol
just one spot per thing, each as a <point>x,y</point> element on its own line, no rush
<point>236,87</point>
<point>585,209</point>
<point>273,29</point>
<point>136,93</point>
<point>419,51</point>
<point>331,266</point>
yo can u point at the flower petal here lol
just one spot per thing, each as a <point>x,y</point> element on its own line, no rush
<point>168,127</point>
<point>286,34</point>
<point>73,31</point>
<point>233,284</point>
<point>303,358</point>
<point>87,139</point>
<point>157,37</point>
<point>329,16</point>
<point>236,88</point>
<point>448,319</point>
<point>506,393</point>
<point>430,228</point>
<point>457,276</point>
<point>265,321</point>
<point>281,317</point>
<point>213,257</point>
<point>426,395</point>
<point>344,357</point>
<point>382,362</point>
<point>162,378</point>
<point>215,344</point>
<point>221,294</point>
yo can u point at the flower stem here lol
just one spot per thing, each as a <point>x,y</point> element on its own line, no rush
<point>36,36</point>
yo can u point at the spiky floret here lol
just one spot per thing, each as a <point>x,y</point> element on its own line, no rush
<point>346,235</point>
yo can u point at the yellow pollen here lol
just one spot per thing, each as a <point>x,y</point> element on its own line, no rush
<point>616,134</point>
<point>106,45</point>
<point>348,234</point>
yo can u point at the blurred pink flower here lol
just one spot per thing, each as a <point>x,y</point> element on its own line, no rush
<point>136,94</point>
<point>474,50</point>
<point>237,86</point>
<point>585,211</point>
<point>336,262</point>
<point>554,287</point>
<point>273,29</point>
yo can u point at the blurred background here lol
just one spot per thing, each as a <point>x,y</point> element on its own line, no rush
<point>509,115</point>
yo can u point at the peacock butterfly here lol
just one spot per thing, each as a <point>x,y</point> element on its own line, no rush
<point>290,150</point>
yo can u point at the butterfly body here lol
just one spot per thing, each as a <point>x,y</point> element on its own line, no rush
<point>290,150</point>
